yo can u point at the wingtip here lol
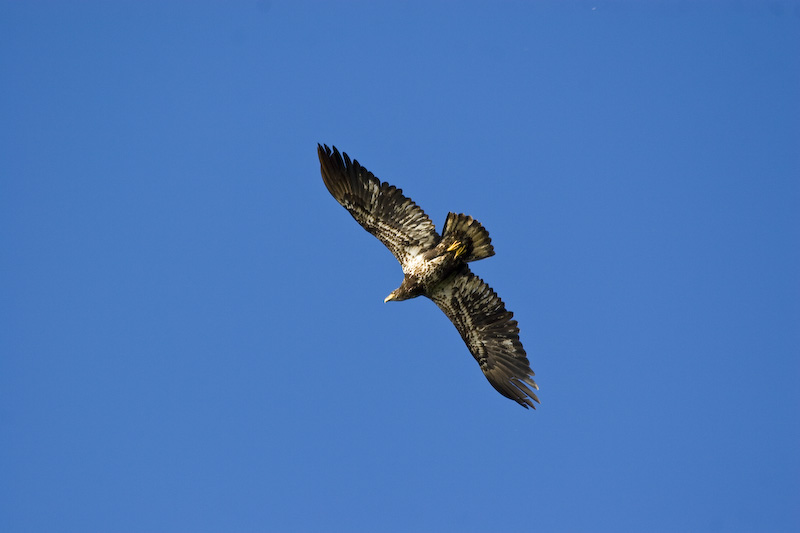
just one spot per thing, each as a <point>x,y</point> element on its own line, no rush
<point>331,153</point>
<point>528,403</point>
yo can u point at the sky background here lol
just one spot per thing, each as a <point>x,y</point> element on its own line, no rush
<point>193,331</point>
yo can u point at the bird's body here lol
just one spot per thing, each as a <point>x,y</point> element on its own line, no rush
<point>463,240</point>
<point>436,267</point>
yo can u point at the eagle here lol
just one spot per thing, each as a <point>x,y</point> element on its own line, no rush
<point>436,266</point>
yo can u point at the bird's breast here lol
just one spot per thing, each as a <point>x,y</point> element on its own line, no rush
<point>428,272</point>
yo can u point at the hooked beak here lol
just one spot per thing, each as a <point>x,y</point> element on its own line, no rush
<point>389,298</point>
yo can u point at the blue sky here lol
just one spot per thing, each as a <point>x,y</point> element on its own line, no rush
<point>193,331</point>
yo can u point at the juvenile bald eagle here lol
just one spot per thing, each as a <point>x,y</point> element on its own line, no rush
<point>436,266</point>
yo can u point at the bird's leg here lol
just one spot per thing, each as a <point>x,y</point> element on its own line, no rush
<point>459,247</point>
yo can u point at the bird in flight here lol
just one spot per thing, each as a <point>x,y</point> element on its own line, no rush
<point>436,267</point>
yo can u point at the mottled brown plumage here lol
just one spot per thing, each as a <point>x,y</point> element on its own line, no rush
<point>436,267</point>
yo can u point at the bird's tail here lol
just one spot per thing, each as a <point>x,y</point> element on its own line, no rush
<point>465,230</point>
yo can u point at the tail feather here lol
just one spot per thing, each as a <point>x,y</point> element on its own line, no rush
<point>465,228</point>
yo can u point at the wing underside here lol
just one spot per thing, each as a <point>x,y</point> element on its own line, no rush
<point>380,208</point>
<point>490,333</point>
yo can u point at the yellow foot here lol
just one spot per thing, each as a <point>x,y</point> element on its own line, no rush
<point>459,247</point>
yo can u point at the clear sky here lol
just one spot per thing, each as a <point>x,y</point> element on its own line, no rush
<point>193,331</point>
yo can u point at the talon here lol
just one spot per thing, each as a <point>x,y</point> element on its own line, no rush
<point>459,248</point>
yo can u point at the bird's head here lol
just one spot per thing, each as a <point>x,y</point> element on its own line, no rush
<point>393,296</point>
<point>410,288</point>
<point>401,293</point>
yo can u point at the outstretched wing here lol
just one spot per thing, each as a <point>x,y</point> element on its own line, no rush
<point>380,208</point>
<point>490,333</point>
